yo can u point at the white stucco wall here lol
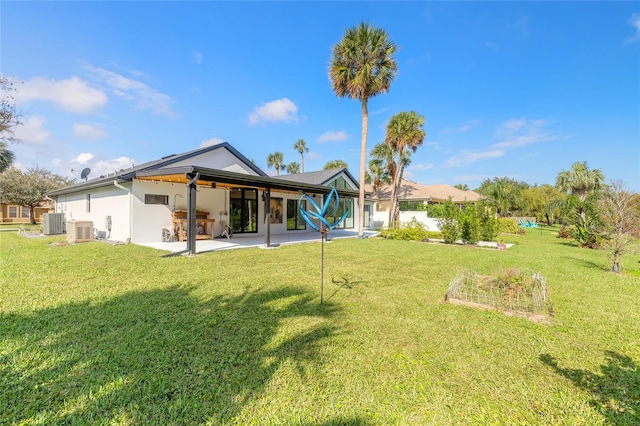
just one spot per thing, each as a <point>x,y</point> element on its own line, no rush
<point>105,201</point>
<point>381,219</point>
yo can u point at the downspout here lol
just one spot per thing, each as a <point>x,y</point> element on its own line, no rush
<point>117,185</point>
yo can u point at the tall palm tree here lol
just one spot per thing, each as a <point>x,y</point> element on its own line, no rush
<point>404,135</point>
<point>293,167</point>
<point>301,147</point>
<point>6,157</point>
<point>276,160</point>
<point>335,164</point>
<point>580,181</point>
<point>361,67</point>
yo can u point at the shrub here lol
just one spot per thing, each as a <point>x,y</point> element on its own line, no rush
<point>564,232</point>
<point>412,231</point>
<point>508,226</point>
<point>469,225</point>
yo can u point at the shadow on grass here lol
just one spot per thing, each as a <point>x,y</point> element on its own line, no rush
<point>153,357</point>
<point>343,283</point>
<point>615,389</point>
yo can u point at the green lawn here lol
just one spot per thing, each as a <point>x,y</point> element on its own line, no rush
<point>99,334</point>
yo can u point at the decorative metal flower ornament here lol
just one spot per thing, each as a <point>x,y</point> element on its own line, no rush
<point>329,208</point>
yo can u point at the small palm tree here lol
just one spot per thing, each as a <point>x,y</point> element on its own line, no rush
<point>382,165</point>
<point>293,167</point>
<point>462,186</point>
<point>404,135</point>
<point>301,147</point>
<point>580,180</point>
<point>276,160</point>
<point>361,67</point>
<point>335,164</point>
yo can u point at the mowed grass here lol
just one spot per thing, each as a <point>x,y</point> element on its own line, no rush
<point>99,334</point>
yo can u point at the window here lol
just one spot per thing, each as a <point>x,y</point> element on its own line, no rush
<point>88,203</point>
<point>341,183</point>
<point>294,218</point>
<point>276,210</point>
<point>156,199</point>
<point>13,212</point>
<point>25,212</point>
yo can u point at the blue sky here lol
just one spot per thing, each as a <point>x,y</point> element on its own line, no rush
<point>515,89</point>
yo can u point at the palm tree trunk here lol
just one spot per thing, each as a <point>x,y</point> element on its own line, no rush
<point>363,165</point>
<point>302,161</point>
<point>396,210</point>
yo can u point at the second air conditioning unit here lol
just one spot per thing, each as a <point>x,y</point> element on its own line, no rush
<point>79,231</point>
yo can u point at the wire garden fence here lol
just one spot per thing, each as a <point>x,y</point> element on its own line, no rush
<point>509,290</point>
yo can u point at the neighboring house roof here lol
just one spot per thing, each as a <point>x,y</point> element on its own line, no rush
<point>410,190</point>
<point>320,177</point>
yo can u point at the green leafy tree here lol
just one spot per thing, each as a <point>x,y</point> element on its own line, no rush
<point>361,67</point>
<point>293,167</point>
<point>462,186</point>
<point>541,202</point>
<point>619,212</point>
<point>404,134</point>
<point>335,164</point>
<point>9,120</point>
<point>276,160</point>
<point>505,193</point>
<point>301,147</point>
<point>448,219</point>
<point>29,188</point>
<point>6,157</point>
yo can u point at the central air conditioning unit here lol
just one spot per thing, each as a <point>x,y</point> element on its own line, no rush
<point>53,223</point>
<point>79,231</point>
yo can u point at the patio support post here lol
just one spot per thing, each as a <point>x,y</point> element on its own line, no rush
<point>267,217</point>
<point>191,213</point>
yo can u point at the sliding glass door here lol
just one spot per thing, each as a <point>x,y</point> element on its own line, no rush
<point>244,210</point>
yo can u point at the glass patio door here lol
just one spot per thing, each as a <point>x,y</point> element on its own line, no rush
<point>244,210</point>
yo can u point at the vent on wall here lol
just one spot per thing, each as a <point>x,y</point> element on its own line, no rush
<point>53,223</point>
<point>79,231</point>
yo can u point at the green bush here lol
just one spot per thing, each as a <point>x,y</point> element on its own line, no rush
<point>413,231</point>
<point>508,226</point>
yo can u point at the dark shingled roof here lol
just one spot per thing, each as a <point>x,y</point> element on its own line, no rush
<point>320,177</point>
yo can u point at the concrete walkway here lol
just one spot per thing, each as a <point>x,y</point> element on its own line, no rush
<point>247,240</point>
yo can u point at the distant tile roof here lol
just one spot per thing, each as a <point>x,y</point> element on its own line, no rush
<point>412,191</point>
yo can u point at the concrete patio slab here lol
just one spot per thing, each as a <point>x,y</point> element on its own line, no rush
<point>246,241</point>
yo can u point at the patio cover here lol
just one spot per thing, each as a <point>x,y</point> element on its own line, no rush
<point>193,176</point>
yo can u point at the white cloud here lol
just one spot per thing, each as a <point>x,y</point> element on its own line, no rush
<point>634,21</point>
<point>468,125</point>
<point>278,110</point>
<point>88,131</point>
<point>333,136</point>
<point>72,94</point>
<point>197,57</point>
<point>83,158</point>
<point>209,142</point>
<point>104,167</point>
<point>512,134</point>
<point>134,92</point>
<point>467,157</point>
<point>32,131</point>
<point>520,132</point>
